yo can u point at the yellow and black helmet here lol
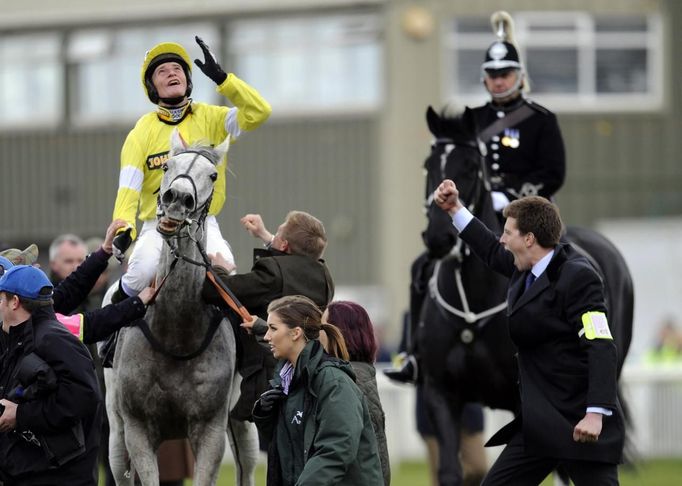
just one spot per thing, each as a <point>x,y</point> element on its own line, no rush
<point>160,53</point>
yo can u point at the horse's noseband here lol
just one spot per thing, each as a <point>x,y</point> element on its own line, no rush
<point>190,201</point>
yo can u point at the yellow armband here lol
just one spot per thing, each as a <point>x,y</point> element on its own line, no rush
<point>595,326</point>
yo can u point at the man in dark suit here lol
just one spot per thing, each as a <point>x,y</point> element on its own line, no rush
<point>290,264</point>
<point>570,414</point>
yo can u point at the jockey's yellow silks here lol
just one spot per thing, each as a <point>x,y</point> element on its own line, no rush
<point>148,144</point>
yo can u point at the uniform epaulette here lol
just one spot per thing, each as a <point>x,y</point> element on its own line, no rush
<point>537,107</point>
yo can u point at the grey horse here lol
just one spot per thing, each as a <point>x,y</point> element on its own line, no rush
<point>177,378</point>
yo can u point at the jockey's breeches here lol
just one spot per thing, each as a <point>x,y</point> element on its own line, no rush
<point>144,260</point>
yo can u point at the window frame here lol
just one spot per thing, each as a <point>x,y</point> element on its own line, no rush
<point>296,108</point>
<point>36,119</point>
<point>587,44</point>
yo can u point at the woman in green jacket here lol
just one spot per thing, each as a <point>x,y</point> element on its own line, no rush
<point>314,416</point>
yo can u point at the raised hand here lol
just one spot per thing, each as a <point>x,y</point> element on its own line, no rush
<point>210,66</point>
<point>446,196</point>
<point>253,223</point>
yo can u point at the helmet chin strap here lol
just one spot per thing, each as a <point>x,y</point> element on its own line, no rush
<point>173,102</point>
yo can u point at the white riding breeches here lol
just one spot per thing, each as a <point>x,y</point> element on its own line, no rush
<point>144,260</point>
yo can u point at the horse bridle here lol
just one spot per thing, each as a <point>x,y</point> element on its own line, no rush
<point>203,208</point>
<point>187,224</point>
<point>458,252</point>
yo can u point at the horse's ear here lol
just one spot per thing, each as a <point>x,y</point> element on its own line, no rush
<point>433,121</point>
<point>469,121</point>
<point>178,143</point>
<point>223,148</point>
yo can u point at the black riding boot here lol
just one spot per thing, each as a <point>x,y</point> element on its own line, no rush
<point>119,295</point>
<point>407,373</point>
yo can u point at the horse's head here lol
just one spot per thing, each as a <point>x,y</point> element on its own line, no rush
<point>187,186</point>
<point>455,154</point>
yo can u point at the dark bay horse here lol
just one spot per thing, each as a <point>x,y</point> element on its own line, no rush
<point>462,335</point>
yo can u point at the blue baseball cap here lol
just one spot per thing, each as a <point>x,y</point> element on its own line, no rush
<point>5,265</point>
<point>26,281</point>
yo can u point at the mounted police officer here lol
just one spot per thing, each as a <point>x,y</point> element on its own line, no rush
<point>525,150</point>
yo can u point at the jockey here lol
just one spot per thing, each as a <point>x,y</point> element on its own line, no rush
<point>167,80</point>
<point>525,150</point>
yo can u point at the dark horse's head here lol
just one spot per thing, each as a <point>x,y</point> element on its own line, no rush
<point>462,324</point>
<point>457,155</point>
<point>187,186</point>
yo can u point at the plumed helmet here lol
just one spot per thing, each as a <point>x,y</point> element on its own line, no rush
<point>160,53</point>
<point>503,54</point>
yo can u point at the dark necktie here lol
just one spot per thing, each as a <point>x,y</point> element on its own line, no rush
<point>530,278</point>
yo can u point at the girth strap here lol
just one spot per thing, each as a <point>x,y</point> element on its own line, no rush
<point>159,348</point>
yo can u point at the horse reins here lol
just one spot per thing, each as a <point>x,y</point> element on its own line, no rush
<point>223,290</point>
<point>457,253</point>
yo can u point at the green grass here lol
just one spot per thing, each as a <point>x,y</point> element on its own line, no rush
<point>662,472</point>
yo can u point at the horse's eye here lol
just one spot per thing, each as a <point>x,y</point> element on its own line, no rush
<point>165,167</point>
<point>214,176</point>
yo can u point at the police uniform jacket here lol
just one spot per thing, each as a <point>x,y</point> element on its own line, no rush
<point>527,158</point>
<point>58,429</point>
<point>274,274</point>
<point>561,371</point>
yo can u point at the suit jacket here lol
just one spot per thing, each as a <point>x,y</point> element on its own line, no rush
<point>274,274</point>
<point>560,372</point>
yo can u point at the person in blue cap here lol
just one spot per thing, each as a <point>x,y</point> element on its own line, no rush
<point>50,403</point>
<point>97,324</point>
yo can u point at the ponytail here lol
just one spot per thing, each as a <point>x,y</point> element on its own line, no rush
<point>336,345</point>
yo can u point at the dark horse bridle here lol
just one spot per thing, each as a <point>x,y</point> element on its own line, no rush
<point>186,225</point>
<point>459,250</point>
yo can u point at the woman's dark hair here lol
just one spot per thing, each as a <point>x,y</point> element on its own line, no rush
<point>356,327</point>
<point>299,311</point>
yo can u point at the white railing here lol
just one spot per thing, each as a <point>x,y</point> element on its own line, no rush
<point>653,395</point>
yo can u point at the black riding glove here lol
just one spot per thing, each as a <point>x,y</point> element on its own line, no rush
<point>210,67</point>
<point>270,398</point>
<point>121,244</point>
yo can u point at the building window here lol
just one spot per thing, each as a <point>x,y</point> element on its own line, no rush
<point>31,80</point>
<point>575,61</point>
<point>104,64</point>
<point>304,64</point>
